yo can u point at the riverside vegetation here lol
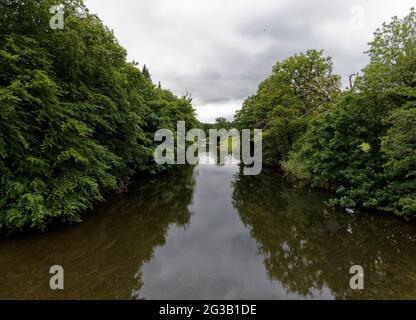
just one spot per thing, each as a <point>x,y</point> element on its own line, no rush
<point>78,120</point>
<point>359,142</point>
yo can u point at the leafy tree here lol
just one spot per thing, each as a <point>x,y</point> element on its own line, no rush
<point>146,73</point>
<point>358,143</point>
<point>399,145</point>
<point>364,146</point>
<point>77,120</point>
<point>299,88</point>
<point>222,123</point>
<point>333,155</point>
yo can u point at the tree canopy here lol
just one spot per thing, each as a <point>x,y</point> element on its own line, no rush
<point>300,86</point>
<point>359,142</point>
<point>77,119</point>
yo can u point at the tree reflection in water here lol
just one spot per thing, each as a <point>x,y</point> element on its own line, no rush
<point>310,248</point>
<point>124,250</point>
<point>100,256</point>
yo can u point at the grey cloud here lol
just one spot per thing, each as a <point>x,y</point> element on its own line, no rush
<point>221,50</point>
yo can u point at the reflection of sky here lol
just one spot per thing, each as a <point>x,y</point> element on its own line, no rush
<point>214,257</point>
<point>213,156</point>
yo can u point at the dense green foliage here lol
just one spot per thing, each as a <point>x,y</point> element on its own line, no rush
<point>298,87</point>
<point>362,144</point>
<point>220,123</point>
<point>76,118</point>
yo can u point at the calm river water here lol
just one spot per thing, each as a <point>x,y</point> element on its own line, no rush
<point>209,232</point>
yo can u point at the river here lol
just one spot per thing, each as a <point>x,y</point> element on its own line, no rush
<point>209,232</point>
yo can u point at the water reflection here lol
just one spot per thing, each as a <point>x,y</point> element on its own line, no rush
<point>101,256</point>
<point>218,155</point>
<point>209,232</point>
<point>216,258</point>
<point>309,248</point>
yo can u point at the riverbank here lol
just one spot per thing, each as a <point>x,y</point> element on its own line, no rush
<point>209,232</point>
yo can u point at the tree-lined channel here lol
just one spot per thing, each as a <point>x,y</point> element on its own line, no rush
<point>210,232</point>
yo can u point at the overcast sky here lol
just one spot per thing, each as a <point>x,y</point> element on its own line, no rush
<point>220,50</point>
